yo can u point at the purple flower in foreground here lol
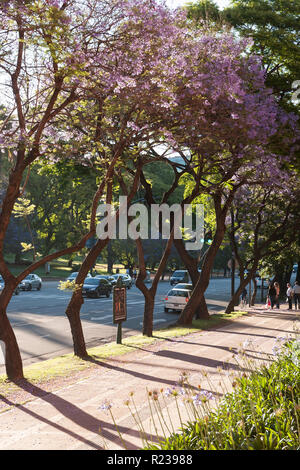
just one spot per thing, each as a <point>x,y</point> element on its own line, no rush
<point>202,397</point>
<point>105,406</point>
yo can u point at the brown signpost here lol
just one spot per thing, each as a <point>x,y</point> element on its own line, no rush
<point>119,309</point>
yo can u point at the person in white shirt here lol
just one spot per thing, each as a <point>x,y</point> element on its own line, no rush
<point>289,295</point>
<point>296,290</point>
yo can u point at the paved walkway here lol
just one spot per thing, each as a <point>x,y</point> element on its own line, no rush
<point>70,418</point>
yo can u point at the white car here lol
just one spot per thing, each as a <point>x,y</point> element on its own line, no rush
<point>125,278</point>
<point>32,281</point>
<point>176,299</point>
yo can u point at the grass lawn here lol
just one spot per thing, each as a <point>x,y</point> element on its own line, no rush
<point>59,268</point>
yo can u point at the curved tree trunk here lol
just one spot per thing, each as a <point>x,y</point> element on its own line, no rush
<point>149,294</point>
<point>253,296</point>
<point>197,296</point>
<point>73,314</point>
<point>13,360</point>
<point>74,306</point>
<point>148,314</point>
<point>236,296</point>
<point>191,265</point>
<point>243,283</point>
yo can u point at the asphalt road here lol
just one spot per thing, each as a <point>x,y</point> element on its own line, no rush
<point>42,328</point>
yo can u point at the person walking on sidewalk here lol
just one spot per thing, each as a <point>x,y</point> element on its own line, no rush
<point>277,288</point>
<point>272,294</point>
<point>244,296</point>
<point>289,295</point>
<point>296,290</point>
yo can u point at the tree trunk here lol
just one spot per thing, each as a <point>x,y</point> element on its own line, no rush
<point>13,361</point>
<point>110,260</point>
<point>74,306</point>
<point>73,314</point>
<point>197,296</point>
<point>236,296</point>
<point>149,294</point>
<point>148,314</point>
<point>253,297</point>
<point>191,265</point>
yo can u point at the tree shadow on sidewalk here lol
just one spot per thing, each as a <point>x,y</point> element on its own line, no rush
<point>134,373</point>
<point>76,415</point>
<point>202,361</point>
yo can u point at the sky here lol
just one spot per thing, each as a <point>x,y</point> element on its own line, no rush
<point>177,3</point>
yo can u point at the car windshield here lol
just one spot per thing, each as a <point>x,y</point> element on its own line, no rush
<point>28,277</point>
<point>179,273</point>
<point>91,280</point>
<point>73,275</point>
<point>178,293</point>
<point>185,286</point>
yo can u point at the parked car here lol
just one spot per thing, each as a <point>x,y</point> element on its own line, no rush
<point>125,278</point>
<point>32,281</point>
<point>16,291</point>
<point>95,287</point>
<point>73,276</point>
<point>104,276</point>
<point>184,286</point>
<point>179,276</point>
<point>112,280</point>
<point>176,299</point>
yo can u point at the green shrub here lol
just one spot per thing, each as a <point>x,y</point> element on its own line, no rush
<point>261,413</point>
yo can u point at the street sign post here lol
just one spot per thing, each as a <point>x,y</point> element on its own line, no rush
<point>119,309</point>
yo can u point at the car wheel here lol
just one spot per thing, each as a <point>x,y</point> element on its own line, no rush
<point>29,287</point>
<point>16,292</point>
<point>39,287</point>
<point>98,294</point>
<point>108,294</point>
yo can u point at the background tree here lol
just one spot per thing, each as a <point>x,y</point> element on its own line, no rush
<point>45,52</point>
<point>263,217</point>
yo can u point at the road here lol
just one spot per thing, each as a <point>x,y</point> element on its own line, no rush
<point>42,329</point>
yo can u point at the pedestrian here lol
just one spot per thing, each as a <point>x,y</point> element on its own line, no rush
<point>277,288</point>
<point>272,294</point>
<point>296,290</point>
<point>289,295</point>
<point>244,296</point>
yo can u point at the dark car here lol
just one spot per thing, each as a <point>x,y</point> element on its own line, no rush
<point>105,276</point>
<point>16,291</point>
<point>179,276</point>
<point>95,287</point>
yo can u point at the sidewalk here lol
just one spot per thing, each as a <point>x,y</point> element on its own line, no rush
<point>70,418</point>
